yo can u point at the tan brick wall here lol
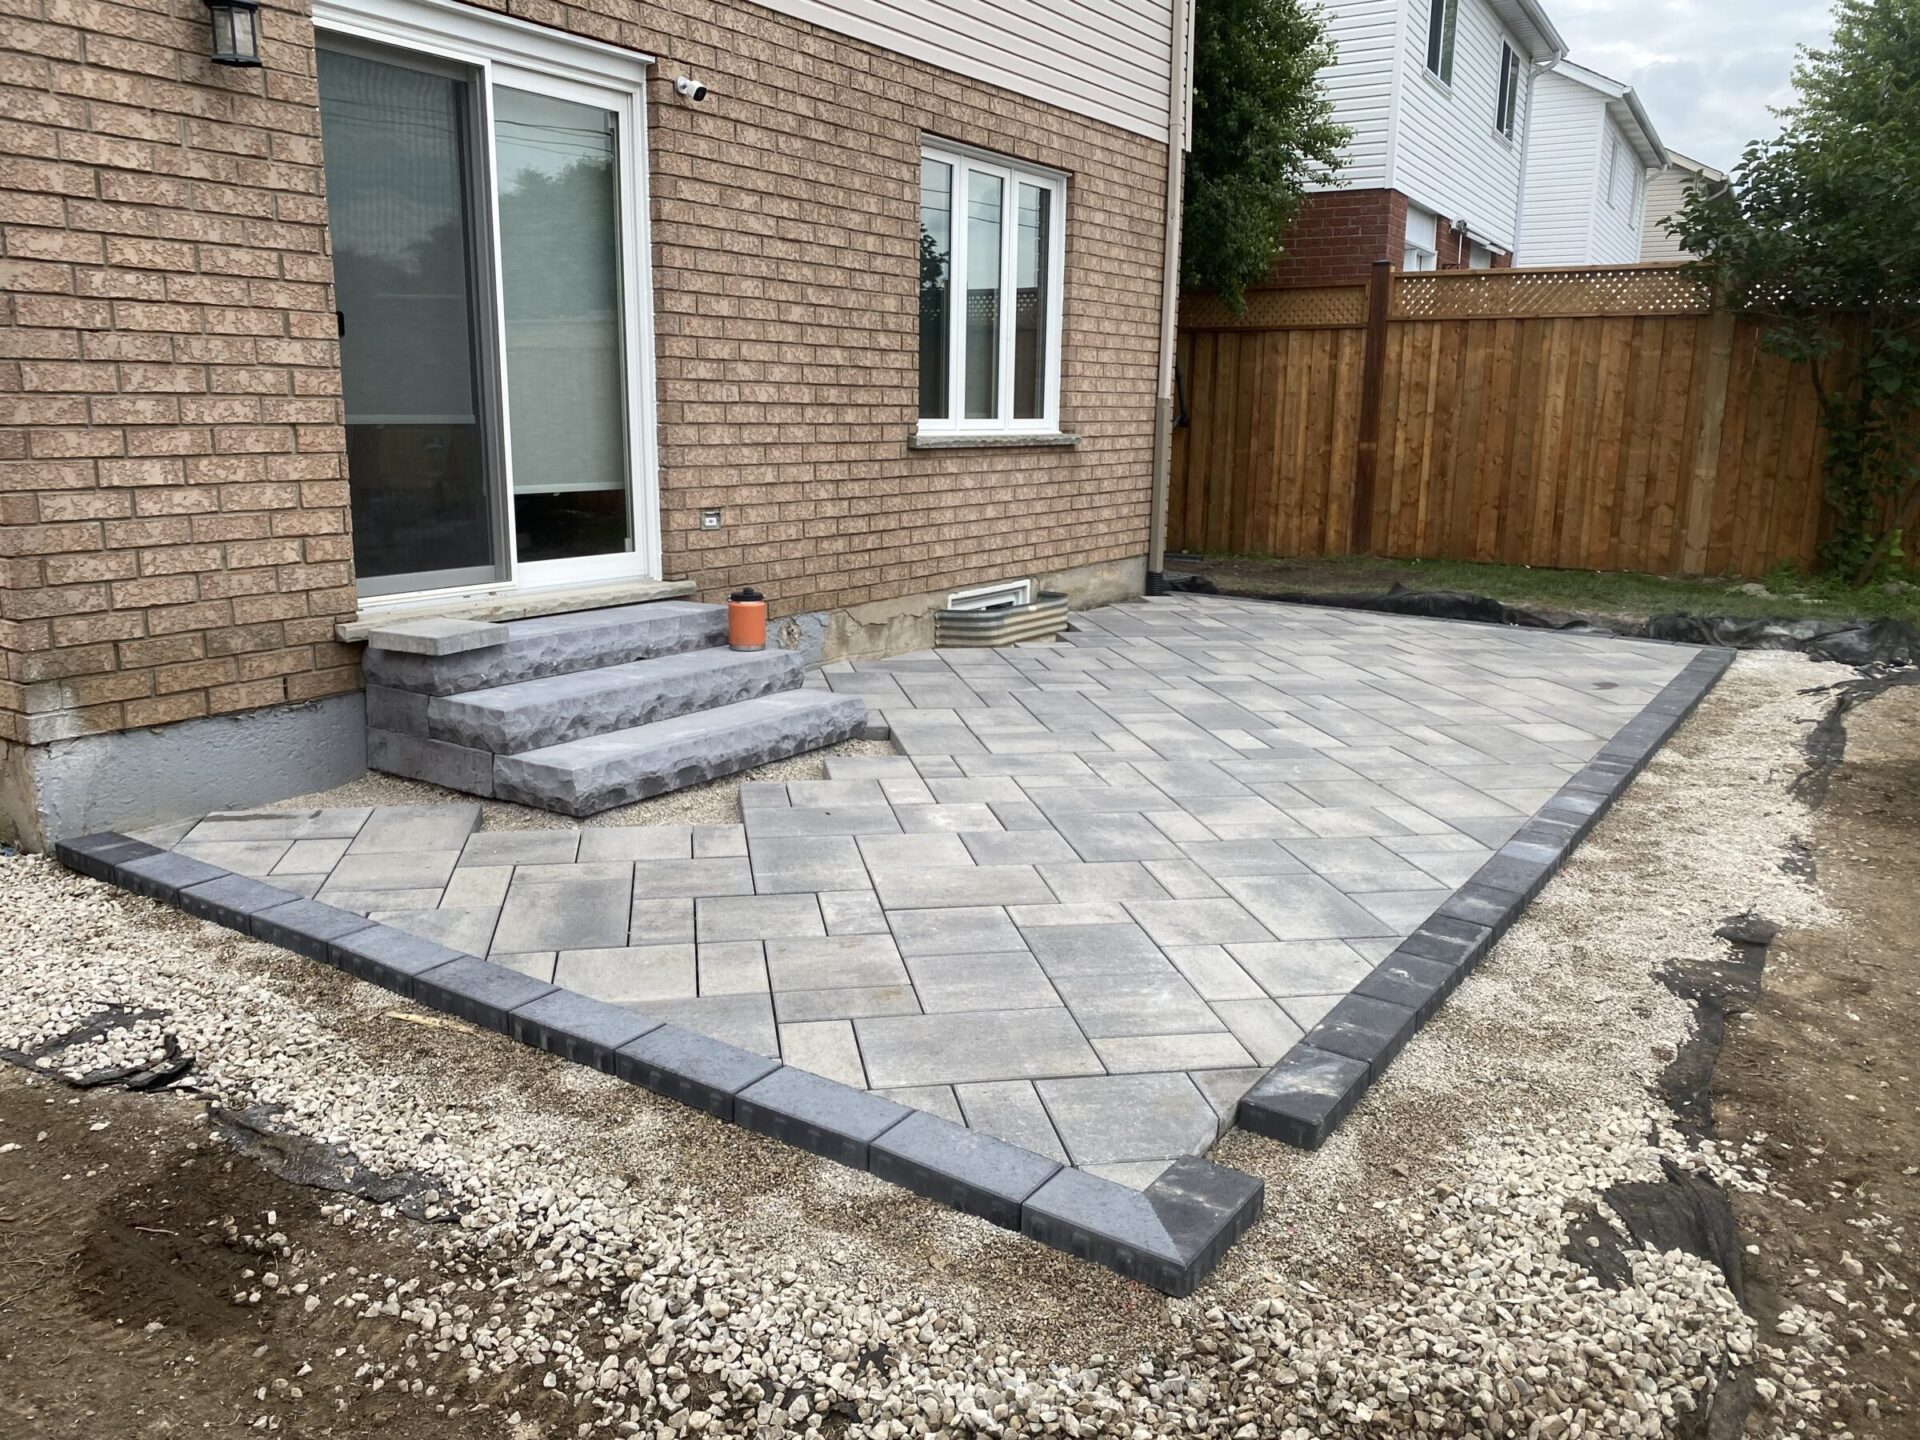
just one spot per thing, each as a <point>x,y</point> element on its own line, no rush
<point>171,469</point>
<point>175,535</point>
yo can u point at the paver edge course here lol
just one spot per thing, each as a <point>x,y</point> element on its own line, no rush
<point>1220,1204</point>
<point>1285,1105</point>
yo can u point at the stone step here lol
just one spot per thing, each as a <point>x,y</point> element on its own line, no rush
<point>533,714</point>
<point>582,777</point>
<point>554,645</point>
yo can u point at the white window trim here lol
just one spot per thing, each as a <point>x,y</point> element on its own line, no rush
<point>1439,58</point>
<point>1506,116</point>
<point>502,48</point>
<point>1012,173</point>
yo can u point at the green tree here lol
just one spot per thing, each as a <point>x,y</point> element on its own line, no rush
<point>1263,128</point>
<point>1819,237</point>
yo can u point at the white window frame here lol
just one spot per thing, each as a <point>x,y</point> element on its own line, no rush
<point>963,160</point>
<point>504,50</point>
<point>1506,105</point>
<point>1443,33</point>
<point>1611,149</point>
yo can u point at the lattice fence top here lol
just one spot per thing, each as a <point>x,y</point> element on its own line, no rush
<point>1569,291</point>
<point>1319,307</point>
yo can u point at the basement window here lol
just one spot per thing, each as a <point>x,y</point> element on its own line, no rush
<point>990,343</point>
<point>1001,596</point>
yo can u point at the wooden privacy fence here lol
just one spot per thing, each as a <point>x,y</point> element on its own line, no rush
<point>1602,417</point>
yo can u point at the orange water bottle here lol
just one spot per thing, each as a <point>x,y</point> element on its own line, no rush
<point>747,620</point>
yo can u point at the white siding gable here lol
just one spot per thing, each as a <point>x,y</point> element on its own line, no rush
<point>1573,215</point>
<point>1107,59</point>
<point>1448,156</point>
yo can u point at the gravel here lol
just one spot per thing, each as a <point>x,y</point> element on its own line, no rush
<point>643,1270</point>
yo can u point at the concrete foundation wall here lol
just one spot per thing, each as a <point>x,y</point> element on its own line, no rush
<point>133,778</point>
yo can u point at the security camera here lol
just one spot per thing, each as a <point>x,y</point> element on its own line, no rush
<point>689,88</point>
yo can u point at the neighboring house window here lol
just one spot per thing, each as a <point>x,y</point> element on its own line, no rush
<point>1419,250</point>
<point>1442,19</point>
<point>1509,103</point>
<point>1611,163</point>
<point>990,356</point>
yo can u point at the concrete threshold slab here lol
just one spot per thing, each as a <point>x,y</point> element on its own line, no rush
<point>1169,1236</point>
<point>513,605</point>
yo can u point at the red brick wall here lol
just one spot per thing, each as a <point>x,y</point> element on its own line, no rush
<point>1339,234</point>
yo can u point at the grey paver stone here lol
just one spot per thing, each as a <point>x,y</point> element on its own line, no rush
<point>1103,1118</point>
<point>846,1003</point>
<point>971,929</point>
<point>307,927</point>
<point>817,1114</point>
<point>694,1069</point>
<point>961,886</point>
<point>162,876</point>
<point>410,829</point>
<point>964,1046</point>
<point>1006,981</point>
<point>478,991</point>
<point>824,1047</point>
<point>756,917</point>
<point>818,962</point>
<point>522,847</point>
<point>946,1162</point>
<point>232,900</point>
<point>733,967</point>
<point>630,975</point>
<point>582,1030</point>
<point>1110,950</point>
<point>572,910</point>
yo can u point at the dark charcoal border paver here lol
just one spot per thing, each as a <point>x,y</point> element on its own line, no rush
<point>1169,1236</point>
<point>1306,1095</point>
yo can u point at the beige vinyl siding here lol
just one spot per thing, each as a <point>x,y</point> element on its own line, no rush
<point>1105,59</point>
<point>1666,193</point>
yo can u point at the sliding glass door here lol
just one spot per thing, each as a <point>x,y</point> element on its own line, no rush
<point>485,221</point>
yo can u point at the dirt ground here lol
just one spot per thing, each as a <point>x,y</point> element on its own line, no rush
<point>162,1223</point>
<point>1820,1078</point>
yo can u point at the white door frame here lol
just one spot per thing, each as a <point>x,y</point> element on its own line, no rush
<point>523,56</point>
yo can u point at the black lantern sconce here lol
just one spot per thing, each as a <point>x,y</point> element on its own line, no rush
<point>236,31</point>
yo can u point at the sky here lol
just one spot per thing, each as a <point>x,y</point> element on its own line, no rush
<point>1706,69</point>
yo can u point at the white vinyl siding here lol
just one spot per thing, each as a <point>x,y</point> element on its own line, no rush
<point>1448,157</point>
<point>1106,59</point>
<point>1584,181</point>
<point>1562,173</point>
<point>1365,34</point>
<point>1616,218</point>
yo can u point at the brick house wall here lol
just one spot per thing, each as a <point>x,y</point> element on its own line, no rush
<point>1338,236</point>
<point>176,536</point>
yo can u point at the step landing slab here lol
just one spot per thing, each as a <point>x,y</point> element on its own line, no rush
<point>534,714</point>
<point>555,645</point>
<point>597,772</point>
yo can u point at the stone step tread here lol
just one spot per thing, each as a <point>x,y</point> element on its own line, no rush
<point>556,645</point>
<point>532,714</point>
<point>596,772</point>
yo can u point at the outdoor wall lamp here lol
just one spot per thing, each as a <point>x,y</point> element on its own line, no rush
<point>236,31</point>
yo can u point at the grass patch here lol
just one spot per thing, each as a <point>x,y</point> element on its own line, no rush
<point>1594,592</point>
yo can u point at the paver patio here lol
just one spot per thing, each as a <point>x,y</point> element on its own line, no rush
<point>1107,883</point>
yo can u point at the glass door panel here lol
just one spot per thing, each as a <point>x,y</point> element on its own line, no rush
<point>561,296</point>
<point>401,185</point>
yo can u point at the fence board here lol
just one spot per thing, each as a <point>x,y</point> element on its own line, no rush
<point>1600,418</point>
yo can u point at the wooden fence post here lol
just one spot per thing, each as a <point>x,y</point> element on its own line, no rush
<point>1373,363</point>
